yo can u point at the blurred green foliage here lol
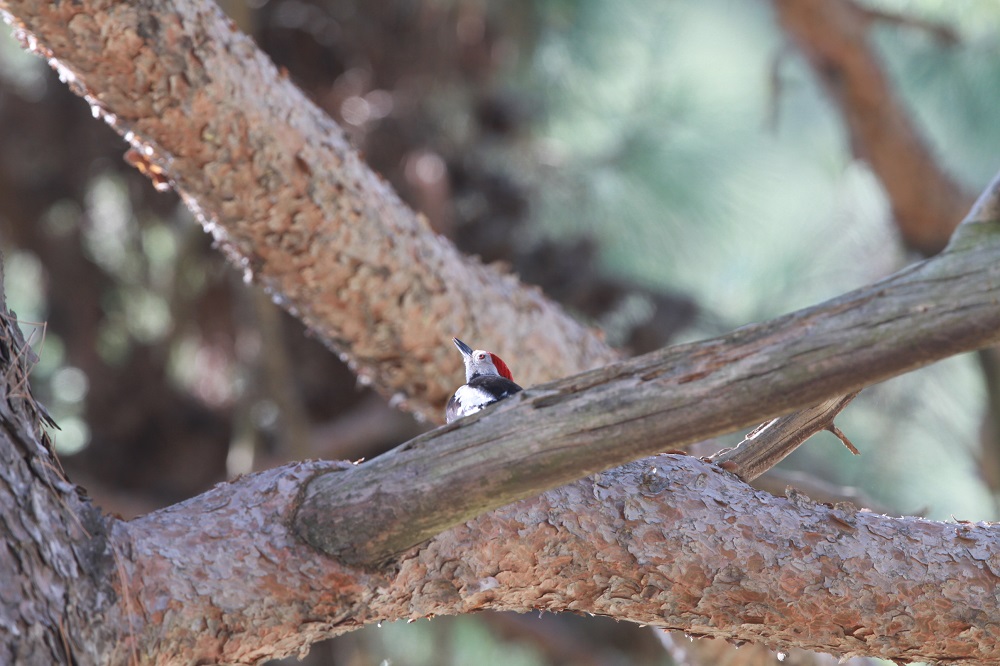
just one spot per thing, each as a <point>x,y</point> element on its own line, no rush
<point>694,142</point>
<point>456,642</point>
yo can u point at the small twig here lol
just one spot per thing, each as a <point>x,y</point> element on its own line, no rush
<point>25,351</point>
<point>769,444</point>
<point>843,438</point>
<point>31,361</point>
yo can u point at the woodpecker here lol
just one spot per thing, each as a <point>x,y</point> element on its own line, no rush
<point>487,380</point>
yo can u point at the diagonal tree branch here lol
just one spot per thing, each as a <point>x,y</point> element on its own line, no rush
<point>273,178</point>
<point>927,203</point>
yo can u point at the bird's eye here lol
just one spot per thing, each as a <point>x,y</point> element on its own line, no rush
<point>480,356</point>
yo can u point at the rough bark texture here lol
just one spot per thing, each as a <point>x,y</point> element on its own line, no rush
<point>668,541</point>
<point>275,181</point>
<point>56,569</point>
<point>927,203</point>
<point>547,435</point>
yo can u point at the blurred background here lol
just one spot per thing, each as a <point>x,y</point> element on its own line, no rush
<point>668,170</point>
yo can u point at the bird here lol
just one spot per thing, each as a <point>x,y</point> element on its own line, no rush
<point>487,380</point>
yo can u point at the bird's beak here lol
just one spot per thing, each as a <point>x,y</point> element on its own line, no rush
<point>462,347</point>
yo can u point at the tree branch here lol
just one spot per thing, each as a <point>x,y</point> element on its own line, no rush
<point>669,541</point>
<point>927,203</point>
<point>273,178</point>
<point>769,444</point>
<point>545,436</point>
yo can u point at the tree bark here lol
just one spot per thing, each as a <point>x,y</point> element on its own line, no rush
<point>669,541</point>
<point>57,572</point>
<point>273,178</point>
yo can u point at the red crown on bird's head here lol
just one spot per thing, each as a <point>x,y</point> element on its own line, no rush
<point>501,366</point>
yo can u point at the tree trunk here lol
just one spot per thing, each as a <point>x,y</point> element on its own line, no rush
<point>57,573</point>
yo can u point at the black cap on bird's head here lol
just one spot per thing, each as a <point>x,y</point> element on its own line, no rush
<point>481,362</point>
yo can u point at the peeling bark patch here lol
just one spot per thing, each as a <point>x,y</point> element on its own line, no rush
<point>654,481</point>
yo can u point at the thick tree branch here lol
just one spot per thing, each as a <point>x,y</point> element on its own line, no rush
<point>290,202</point>
<point>927,203</point>
<point>669,541</point>
<point>545,436</point>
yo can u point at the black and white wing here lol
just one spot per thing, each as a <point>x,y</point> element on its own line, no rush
<point>478,393</point>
